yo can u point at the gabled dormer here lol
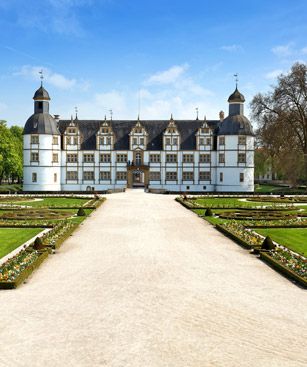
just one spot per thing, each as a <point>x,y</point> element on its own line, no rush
<point>72,136</point>
<point>171,136</point>
<point>204,137</point>
<point>138,136</point>
<point>105,136</point>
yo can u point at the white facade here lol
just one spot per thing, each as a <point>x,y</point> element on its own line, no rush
<point>58,161</point>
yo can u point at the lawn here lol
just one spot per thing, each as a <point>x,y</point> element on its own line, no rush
<point>59,202</point>
<point>231,202</point>
<point>11,238</point>
<point>293,238</point>
<point>11,188</point>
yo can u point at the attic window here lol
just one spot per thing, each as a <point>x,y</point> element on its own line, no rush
<point>241,125</point>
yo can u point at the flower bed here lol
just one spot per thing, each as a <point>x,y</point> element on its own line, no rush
<point>58,234</point>
<point>257,215</point>
<point>289,264</point>
<point>17,269</point>
<point>30,214</point>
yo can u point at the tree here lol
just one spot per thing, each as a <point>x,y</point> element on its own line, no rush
<point>281,115</point>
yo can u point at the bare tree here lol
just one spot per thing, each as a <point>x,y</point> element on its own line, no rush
<point>282,119</point>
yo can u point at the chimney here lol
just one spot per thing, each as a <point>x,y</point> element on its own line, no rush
<point>57,118</point>
<point>222,116</point>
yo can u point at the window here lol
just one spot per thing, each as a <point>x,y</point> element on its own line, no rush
<point>55,158</point>
<point>175,141</point>
<point>55,140</point>
<point>68,140</point>
<point>88,158</point>
<point>105,175</point>
<point>71,130</point>
<point>241,157</point>
<point>40,105</point>
<point>205,130</point>
<point>34,177</point>
<point>242,139</point>
<point>168,141</point>
<point>221,176</point>
<point>221,158</point>
<point>141,141</point>
<point>204,175</point>
<point>121,158</point>
<point>72,158</point>
<point>201,141</point>
<point>171,176</point>
<point>154,158</point>
<point>88,175</point>
<point>154,176</point>
<point>101,141</point>
<point>171,158</point>
<point>187,176</point>
<point>72,175</point>
<point>134,141</point>
<point>109,140</point>
<point>208,141</point>
<point>121,176</point>
<point>34,139</point>
<point>55,177</point>
<point>75,140</point>
<point>188,158</point>
<point>34,157</point>
<point>105,158</point>
<point>221,140</point>
<point>241,177</point>
<point>204,158</point>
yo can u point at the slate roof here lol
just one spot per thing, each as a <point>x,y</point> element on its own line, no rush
<point>41,123</point>
<point>236,125</point>
<point>41,93</point>
<point>154,128</point>
<point>236,96</point>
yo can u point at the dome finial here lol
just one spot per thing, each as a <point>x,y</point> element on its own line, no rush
<point>41,72</point>
<point>236,75</point>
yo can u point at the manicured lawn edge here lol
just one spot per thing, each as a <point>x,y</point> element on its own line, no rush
<point>234,237</point>
<point>26,273</point>
<point>288,273</point>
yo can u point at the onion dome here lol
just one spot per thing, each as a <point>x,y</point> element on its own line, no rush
<point>41,94</point>
<point>236,97</point>
<point>41,123</point>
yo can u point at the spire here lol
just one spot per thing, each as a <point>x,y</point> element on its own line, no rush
<point>76,111</point>
<point>196,109</point>
<point>171,119</point>
<point>41,72</point>
<point>236,75</point>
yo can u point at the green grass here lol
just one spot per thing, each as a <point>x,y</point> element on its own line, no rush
<point>233,202</point>
<point>293,238</point>
<point>55,202</point>
<point>11,238</point>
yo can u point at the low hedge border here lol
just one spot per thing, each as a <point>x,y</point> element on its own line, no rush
<point>288,273</point>
<point>13,225</point>
<point>26,273</point>
<point>60,241</point>
<point>234,237</point>
<point>276,226</point>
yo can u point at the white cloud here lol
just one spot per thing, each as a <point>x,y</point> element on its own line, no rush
<point>232,48</point>
<point>168,76</point>
<point>56,79</point>
<point>273,74</point>
<point>283,50</point>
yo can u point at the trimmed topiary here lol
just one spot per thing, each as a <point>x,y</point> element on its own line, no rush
<point>208,212</point>
<point>38,243</point>
<point>81,212</point>
<point>268,244</point>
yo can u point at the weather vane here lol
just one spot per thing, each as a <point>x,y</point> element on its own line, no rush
<point>41,72</point>
<point>236,75</point>
<point>196,109</point>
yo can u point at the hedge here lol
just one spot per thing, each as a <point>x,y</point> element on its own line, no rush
<point>26,273</point>
<point>288,273</point>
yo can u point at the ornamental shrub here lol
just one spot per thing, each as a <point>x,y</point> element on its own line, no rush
<point>81,212</point>
<point>208,212</point>
<point>38,243</point>
<point>268,244</point>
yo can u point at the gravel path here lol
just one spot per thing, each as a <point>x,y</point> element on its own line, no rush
<point>144,282</point>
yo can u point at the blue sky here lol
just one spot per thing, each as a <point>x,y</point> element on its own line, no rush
<point>164,56</point>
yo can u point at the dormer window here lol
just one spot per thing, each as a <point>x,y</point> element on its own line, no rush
<point>171,138</point>
<point>138,137</point>
<point>203,137</point>
<point>105,137</point>
<point>72,135</point>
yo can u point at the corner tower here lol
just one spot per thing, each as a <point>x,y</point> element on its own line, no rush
<point>41,147</point>
<point>235,149</point>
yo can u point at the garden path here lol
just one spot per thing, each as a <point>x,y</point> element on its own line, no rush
<point>145,282</point>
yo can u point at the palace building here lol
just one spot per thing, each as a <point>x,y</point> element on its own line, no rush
<point>161,155</point>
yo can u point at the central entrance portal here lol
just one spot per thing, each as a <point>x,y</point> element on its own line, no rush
<point>138,178</point>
